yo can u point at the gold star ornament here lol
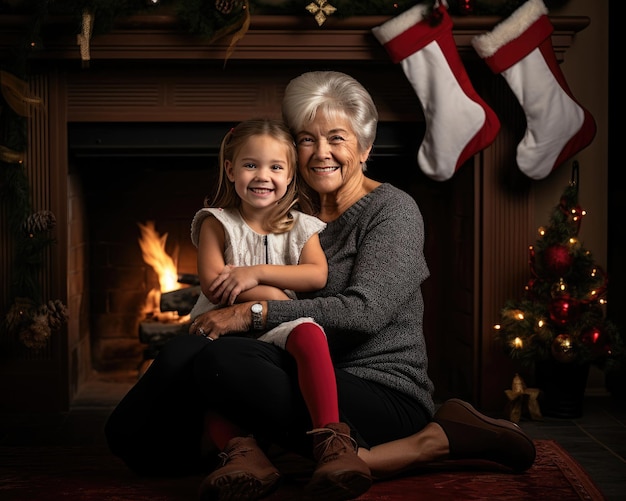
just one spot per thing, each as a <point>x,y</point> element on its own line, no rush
<point>522,400</point>
<point>321,9</point>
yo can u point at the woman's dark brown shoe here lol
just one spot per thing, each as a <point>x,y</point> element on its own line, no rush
<point>340,473</point>
<point>245,474</point>
<point>473,435</point>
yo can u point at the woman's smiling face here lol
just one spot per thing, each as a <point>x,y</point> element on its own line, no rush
<point>328,154</point>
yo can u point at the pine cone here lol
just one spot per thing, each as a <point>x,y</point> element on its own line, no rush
<point>57,314</point>
<point>21,311</point>
<point>43,220</point>
<point>37,333</point>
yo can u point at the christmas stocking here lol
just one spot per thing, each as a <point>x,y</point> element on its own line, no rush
<point>557,127</point>
<point>458,122</point>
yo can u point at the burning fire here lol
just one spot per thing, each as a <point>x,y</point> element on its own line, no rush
<point>154,254</point>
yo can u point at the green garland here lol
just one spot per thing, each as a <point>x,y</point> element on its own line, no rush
<point>203,18</point>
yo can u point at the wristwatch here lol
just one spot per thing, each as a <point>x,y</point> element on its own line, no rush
<point>257,316</point>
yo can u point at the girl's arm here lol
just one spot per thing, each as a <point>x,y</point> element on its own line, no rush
<point>211,243</point>
<point>210,261</point>
<point>237,284</point>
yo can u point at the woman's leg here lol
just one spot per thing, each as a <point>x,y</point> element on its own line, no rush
<point>246,382</point>
<point>387,423</point>
<point>255,386</point>
<point>308,345</point>
<point>457,432</point>
<point>157,427</point>
<point>396,434</point>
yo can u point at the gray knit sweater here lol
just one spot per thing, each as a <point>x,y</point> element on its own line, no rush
<point>372,306</point>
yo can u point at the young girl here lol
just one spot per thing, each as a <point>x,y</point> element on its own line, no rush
<point>254,231</point>
<point>253,245</point>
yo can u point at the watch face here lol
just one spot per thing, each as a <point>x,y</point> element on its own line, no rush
<point>257,308</point>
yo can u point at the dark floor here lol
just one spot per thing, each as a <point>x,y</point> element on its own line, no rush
<point>597,440</point>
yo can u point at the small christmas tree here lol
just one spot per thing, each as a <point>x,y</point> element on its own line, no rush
<point>562,312</point>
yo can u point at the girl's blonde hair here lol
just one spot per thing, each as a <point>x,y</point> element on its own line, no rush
<point>279,219</point>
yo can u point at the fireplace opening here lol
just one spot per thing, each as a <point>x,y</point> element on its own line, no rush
<point>123,175</point>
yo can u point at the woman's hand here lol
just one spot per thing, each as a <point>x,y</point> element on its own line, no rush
<point>220,321</point>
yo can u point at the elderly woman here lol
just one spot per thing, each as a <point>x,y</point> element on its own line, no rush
<point>371,309</point>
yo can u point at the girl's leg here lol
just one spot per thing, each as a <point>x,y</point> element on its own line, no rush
<point>339,472</point>
<point>307,343</point>
<point>257,388</point>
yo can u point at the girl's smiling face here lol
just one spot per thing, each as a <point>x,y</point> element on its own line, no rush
<point>260,172</point>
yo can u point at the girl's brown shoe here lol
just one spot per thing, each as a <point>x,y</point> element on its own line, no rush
<point>340,473</point>
<point>245,473</point>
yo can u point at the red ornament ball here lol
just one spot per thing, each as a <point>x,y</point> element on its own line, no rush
<point>563,348</point>
<point>591,336</point>
<point>563,309</point>
<point>557,260</point>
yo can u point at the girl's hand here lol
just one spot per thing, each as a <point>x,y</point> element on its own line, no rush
<point>232,281</point>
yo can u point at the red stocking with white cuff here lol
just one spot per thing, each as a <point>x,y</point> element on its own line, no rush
<point>557,126</point>
<point>458,122</point>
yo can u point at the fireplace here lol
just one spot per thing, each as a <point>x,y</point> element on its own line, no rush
<point>127,174</point>
<point>117,140</point>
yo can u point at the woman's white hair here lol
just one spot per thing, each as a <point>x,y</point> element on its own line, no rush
<point>334,94</point>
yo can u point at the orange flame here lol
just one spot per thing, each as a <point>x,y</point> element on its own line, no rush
<point>153,249</point>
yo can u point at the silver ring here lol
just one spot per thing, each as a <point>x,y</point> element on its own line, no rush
<point>201,331</point>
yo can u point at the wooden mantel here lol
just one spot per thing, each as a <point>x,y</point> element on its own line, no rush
<point>147,70</point>
<point>276,38</point>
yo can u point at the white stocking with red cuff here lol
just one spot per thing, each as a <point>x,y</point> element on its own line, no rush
<point>557,127</point>
<point>458,122</point>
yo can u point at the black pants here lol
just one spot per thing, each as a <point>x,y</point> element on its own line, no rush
<point>157,426</point>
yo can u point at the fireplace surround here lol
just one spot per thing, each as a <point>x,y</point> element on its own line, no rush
<point>146,114</point>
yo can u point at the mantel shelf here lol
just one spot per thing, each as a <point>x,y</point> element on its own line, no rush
<point>160,37</point>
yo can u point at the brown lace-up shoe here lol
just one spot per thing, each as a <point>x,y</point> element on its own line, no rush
<point>473,435</point>
<point>245,474</point>
<point>340,474</point>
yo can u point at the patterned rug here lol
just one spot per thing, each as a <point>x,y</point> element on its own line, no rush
<point>92,474</point>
